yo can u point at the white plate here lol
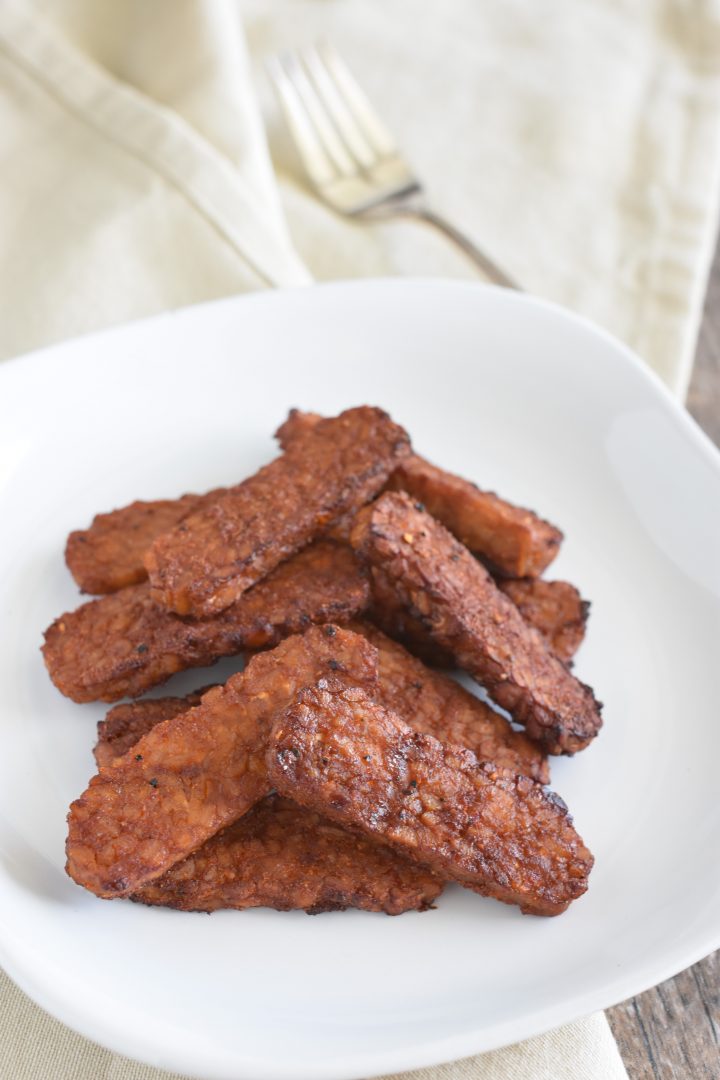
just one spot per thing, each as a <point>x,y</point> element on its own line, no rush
<point>514,393</point>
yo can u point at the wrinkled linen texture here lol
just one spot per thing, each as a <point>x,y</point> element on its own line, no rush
<point>145,167</point>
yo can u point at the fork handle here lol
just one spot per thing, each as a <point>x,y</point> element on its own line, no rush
<point>482,261</point>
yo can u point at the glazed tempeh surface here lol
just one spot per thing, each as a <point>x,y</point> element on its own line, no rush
<point>495,832</point>
<point>555,608</point>
<point>283,856</point>
<point>439,582</point>
<point>514,541</point>
<point>214,555</point>
<point>197,773</point>
<point>109,554</point>
<point>278,855</point>
<point>126,724</point>
<point>427,700</point>
<point>125,643</point>
<point>435,704</point>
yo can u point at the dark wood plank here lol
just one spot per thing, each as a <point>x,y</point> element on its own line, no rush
<point>673,1031</point>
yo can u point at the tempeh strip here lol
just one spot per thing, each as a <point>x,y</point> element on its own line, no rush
<point>491,830</point>
<point>109,554</point>
<point>197,773</point>
<point>427,700</point>
<point>394,618</point>
<point>435,704</point>
<point>278,855</point>
<point>513,541</point>
<point>283,856</point>
<point>213,556</point>
<point>440,582</point>
<point>125,643</point>
<point>126,724</point>
<point>555,608</point>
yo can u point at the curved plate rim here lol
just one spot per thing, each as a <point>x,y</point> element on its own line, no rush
<point>674,959</point>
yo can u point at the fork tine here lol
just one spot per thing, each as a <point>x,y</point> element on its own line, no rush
<point>356,101</point>
<point>332,143</point>
<point>319,166</point>
<point>336,105</point>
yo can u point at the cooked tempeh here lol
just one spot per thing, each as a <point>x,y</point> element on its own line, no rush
<point>435,704</point>
<point>389,613</point>
<point>296,425</point>
<point>513,541</point>
<point>125,643</point>
<point>109,554</point>
<point>213,556</point>
<point>283,856</point>
<point>197,773</point>
<point>500,834</point>
<point>126,724</point>
<point>278,855</point>
<point>555,608</point>
<point>426,700</point>
<point>441,583</point>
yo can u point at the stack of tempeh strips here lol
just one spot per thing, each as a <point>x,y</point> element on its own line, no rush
<point>336,770</point>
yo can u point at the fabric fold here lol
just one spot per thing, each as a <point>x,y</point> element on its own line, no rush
<point>113,206</point>
<point>581,149</point>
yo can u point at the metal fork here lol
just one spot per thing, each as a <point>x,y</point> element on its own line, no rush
<point>351,158</point>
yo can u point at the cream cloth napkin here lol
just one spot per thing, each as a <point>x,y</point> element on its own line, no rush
<point>579,143</point>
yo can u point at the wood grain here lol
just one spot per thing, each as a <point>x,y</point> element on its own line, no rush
<point>673,1031</point>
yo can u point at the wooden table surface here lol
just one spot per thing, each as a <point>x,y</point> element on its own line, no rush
<point>673,1031</point>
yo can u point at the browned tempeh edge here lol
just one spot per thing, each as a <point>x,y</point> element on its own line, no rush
<point>197,773</point>
<point>555,608</point>
<point>124,644</point>
<point>433,703</point>
<point>125,724</point>
<point>514,542</point>
<point>441,583</point>
<point>284,856</point>
<point>427,700</point>
<point>393,618</point>
<point>207,562</point>
<point>278,855</point>
<point>109,554</point>
<point>337,751</point>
